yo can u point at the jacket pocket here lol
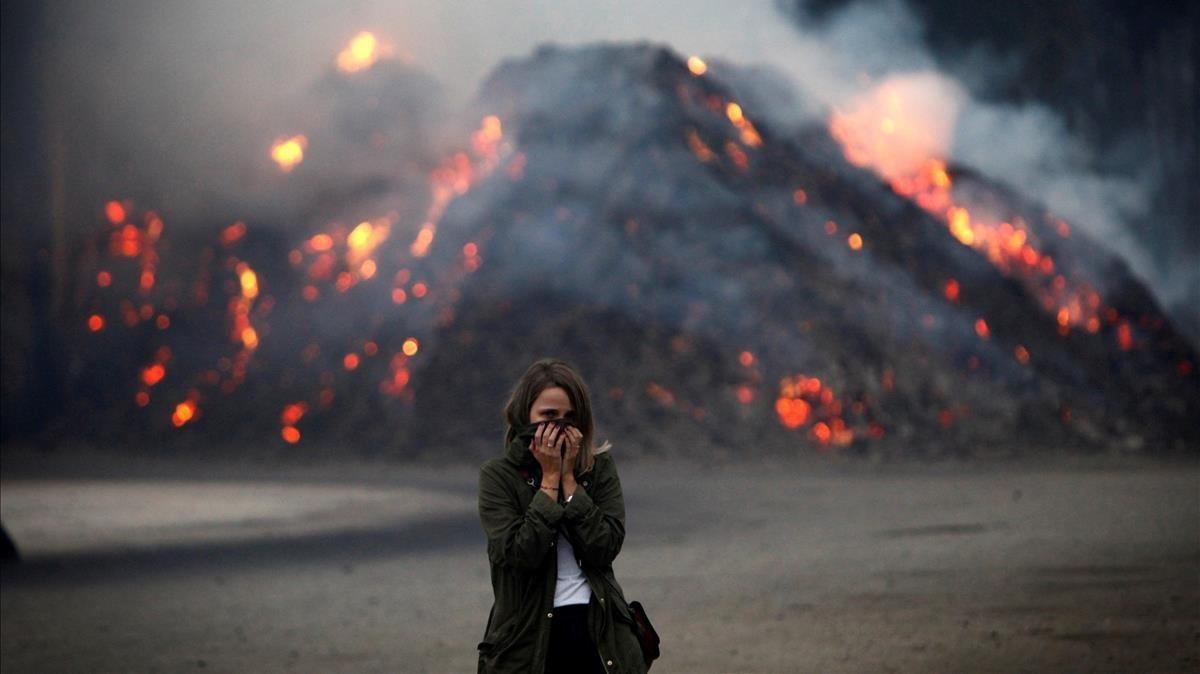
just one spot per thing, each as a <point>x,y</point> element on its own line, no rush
<point>500,641</point>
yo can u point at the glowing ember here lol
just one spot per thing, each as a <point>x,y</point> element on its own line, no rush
<point>410,346</point>
<point>292,413</point>
<point>1021,354</point>
<point>855,241</point>
<point>103,279</point>
<point>697,65</point>
<point>362,53</point>
<point>746,358</point>
<point>748,133</point>
<point>290,434</point>
<point>184,412</point>
<point>233,233</point>
<point>95,323</point>
<point>350,361</point>
<point>1124,337</point>
<point>981,329</point>
<point>249,281</point>
<point>699,147</point>
<point>793,412</point>
<point>153,374</point>
<point>951,290</point>
<point>288,152</point>
<point>115,212</point>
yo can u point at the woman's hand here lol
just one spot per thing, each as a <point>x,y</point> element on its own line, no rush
<point>574,440</point>
<point>547,449</point>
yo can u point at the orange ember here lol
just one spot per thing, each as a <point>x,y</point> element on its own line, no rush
<point>1124,336</point>
<point>699,148</point>
<point>115,212</point>
<point>290,434</point>
<point>320,243</point>
<point>746,358</point>
<point>951,289</point>
<point>350,361</point>
<point>822,432</point>
<point>697,65</point>
<point>855,241</point>
<point>292,413</point>
<point>747,131</point>
<point>184,412</point>
<point>233,233</point>
<point>981,329</point>
<point>1021,354</point>
<point>95,323</point>
<point>410,346</point>
<point>104,279</point>
<point>793,412</point>
<point>153,374</point>
<point>362,53</point>
<point>288,152</point>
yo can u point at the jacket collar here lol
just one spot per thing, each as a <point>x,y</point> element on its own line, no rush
<point>517,453</point>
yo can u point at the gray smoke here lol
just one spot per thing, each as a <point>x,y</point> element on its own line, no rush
<point>188,96</point>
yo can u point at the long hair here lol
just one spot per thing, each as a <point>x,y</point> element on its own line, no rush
<point>548,373</point>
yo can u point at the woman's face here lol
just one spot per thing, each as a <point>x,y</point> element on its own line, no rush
<point>552,403</point>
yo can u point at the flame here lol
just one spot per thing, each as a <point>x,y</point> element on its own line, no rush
<point>900,131</point>
<point>458,174</point>
<point>288,152</point>
<point>697,65</point>
<point>360,54</point>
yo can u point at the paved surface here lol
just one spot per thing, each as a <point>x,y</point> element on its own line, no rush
<point>780,568</point>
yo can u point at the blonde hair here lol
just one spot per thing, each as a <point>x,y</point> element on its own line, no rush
<point>549,373</point>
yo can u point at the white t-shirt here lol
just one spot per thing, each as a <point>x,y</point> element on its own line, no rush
<point>572,586</point>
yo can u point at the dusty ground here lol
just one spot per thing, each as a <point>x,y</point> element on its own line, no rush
<point>801,567</point>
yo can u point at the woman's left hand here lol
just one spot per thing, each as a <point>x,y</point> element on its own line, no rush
<point>574,438</point>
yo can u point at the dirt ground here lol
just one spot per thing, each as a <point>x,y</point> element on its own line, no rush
<point>1068,566</point>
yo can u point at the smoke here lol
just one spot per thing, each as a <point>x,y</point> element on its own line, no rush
<point>188,96</point>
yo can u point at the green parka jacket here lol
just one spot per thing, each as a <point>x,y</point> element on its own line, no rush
<point>522,524</point>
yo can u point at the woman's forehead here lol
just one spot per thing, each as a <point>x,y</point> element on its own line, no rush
<point>552,397</point>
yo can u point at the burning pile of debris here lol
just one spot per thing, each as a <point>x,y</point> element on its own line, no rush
<point>724,285</point>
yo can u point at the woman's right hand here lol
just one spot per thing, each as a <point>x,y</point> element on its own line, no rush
<point>547,448</point>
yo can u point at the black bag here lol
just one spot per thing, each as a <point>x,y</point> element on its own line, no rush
<point>647,636</point>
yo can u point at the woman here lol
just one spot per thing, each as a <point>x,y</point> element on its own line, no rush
<point>552,509</point>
